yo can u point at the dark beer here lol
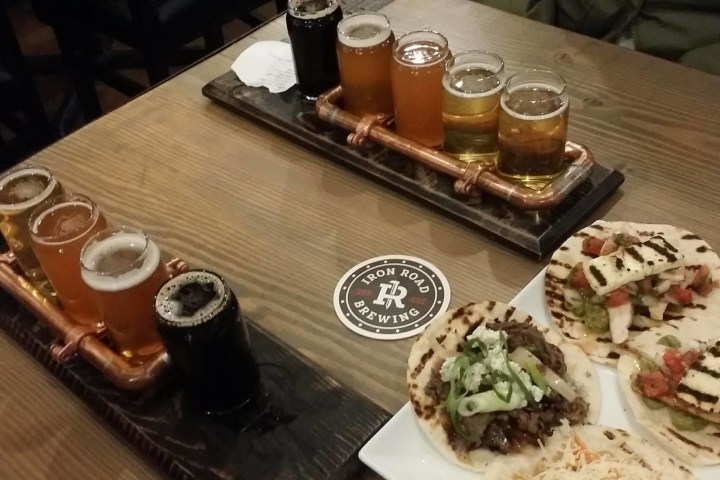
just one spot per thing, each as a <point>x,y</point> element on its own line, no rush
<point>200,324</point>
<point>312,26</point>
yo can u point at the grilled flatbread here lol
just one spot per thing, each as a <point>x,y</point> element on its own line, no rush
<point>662,247</point>
<point>696,447</point>
<point>591,451</point>
<point>445,337</point>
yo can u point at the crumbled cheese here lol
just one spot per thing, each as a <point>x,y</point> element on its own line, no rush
<point>446,370</point>
<point>474,376</point>
<point>487,336</point>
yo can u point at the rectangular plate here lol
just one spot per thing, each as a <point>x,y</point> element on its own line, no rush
<point>401,451</point>
<point>533,233</point>
<point>313,428</point>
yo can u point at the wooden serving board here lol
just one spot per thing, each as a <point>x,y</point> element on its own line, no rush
<point>306,425</point>
<point>533,233</point>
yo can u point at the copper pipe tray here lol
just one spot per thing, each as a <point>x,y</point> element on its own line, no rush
<point>556,211</point>
<point>471,178</point>
<point>284,434</point>
<point>86,341</point>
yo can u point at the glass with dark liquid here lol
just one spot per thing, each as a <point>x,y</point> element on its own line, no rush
<point>532,128</point>
<point>312,26</point>
<point>201,326</point>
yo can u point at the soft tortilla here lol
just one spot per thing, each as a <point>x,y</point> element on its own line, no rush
<point>599,346</point>
<point>695,448</point>
<point>599,439</point>
<point>440,341</point>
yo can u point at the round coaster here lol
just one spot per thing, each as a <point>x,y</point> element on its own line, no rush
<point>391,297</point>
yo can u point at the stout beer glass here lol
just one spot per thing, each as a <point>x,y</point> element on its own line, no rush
<point>21,191</point>
<point>532,128</point>
<point>472,85</point>
<point>59,227</point>
<point>312,28</point>
<point>417,72</point>
<point>364,50</point>
<point>123,269</point>
<point>200,323</point>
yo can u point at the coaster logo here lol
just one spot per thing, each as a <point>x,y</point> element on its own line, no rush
<point>388,294</point>
<point>391,297</point>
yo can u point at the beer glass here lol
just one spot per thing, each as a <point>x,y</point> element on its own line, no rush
<point>21,190</point>
<point>417,70</point>
<point>123,269</point>
<point>59,227</point>
<point>472,85</point>
<point>364,50</point>
<point>532,128</point>
<point>200,323</point>
<point>311,27</point>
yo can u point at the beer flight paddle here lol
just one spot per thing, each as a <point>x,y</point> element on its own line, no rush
<point>459,114</point>
<point>106,294</point>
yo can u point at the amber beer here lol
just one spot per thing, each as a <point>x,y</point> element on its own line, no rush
<point>59,227</point>
<point>123,269</point>
<point>417,72</point>
<point>472,85</point>
<point>204,333</point>
<point>533,127</point>
<point>364,50</point>
<point>21,191</point>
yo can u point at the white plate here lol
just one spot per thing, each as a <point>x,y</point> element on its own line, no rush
<point>400,450</point>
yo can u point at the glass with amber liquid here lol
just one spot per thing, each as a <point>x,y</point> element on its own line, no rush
<point>417,71</point>
<point>59,227</point>
<point>21,190</point>
<point>472,85</point>
<point>364,50</point>
<point>123,269</point>
<point>532,129</point>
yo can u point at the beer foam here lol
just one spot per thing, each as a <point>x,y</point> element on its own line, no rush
<point>349,24</point>
<point>326,8</point>
<point>539,86</point>
<point>107,282</point>
<point>33,201</point>
<point>170,308</point>
<point>451,76</point>
<point>80,231</point>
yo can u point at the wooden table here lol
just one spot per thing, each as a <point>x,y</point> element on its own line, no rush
<point>283,224</point>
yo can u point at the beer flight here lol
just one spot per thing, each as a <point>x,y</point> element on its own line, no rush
<point>114,275</point>
<point>464,103</point>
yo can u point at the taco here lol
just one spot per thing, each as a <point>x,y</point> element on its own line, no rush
<point>487,382</point>
<point>593,452</point>
<point>672,383</point>
<point>612,280</point>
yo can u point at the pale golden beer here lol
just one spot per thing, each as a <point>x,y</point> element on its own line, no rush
<point>532,130</point>
<point>472,85</point>
<point>21,191</point>
<point>364,51</point>
<point>123,269</point>
<point>416,72</point>
<point>59,227</point>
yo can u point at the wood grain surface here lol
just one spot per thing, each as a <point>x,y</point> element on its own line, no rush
<point>283,224</point>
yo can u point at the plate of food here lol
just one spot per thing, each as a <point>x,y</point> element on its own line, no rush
<point>605,366</point>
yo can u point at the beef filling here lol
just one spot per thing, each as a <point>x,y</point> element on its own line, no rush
<point>506,432</point>
<point>528,336</point>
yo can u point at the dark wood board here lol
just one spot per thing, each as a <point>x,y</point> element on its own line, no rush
<point>533,233</point>
<point>306,425</point>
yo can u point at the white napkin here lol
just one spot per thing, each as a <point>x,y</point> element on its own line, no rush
<point>266,64</point>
